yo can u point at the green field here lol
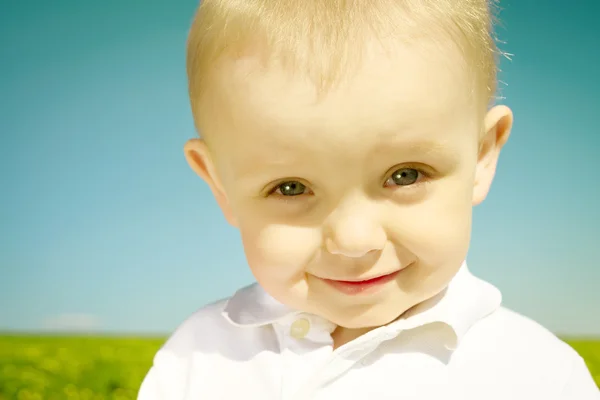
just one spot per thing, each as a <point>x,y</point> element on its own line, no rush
<point>91,368</point>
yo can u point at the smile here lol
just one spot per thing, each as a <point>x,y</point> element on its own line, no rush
<point>363,286</point>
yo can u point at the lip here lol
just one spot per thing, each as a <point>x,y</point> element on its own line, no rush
<point>364,286</point>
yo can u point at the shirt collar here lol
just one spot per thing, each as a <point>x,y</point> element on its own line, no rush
<point>466,300</point>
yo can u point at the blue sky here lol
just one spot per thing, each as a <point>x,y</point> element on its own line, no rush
<point>104,227</point>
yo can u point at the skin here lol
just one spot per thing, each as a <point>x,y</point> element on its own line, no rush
<point>408,112</point>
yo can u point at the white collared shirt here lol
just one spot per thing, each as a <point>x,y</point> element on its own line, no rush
<point>459,345</point>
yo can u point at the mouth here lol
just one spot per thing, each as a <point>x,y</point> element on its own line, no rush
<point>354,287</point>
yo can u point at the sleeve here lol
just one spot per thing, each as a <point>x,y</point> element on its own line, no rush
<point>149,389</point>
<point>167,378</point>
<point>580,385</point>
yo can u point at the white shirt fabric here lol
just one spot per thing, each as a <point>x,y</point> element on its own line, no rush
<point>459,345</point>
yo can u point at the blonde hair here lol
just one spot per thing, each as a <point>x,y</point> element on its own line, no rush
<point>324,38</point>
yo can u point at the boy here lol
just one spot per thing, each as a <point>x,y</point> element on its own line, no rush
<point>348,142</point>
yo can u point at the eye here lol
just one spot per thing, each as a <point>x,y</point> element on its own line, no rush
<point>291,188</point>
<point>403,177</point>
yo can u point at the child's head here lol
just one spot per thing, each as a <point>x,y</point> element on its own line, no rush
<point>347,140</point>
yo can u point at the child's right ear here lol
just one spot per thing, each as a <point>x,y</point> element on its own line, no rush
<point>199,159</point>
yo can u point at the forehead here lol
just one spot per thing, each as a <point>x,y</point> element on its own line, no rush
<point>404,93</point>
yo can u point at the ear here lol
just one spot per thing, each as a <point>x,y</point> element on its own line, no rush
<point>497,124</point>
<point>198,157</point>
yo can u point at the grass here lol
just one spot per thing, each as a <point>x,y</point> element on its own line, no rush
<point>590,351</point>
<point>105,368</point>
<point>73,368</point>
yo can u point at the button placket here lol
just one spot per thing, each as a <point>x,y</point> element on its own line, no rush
<point>299,353</point>
<point>342,362</point>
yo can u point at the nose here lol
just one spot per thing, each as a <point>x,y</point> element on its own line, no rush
<point>354,232</point>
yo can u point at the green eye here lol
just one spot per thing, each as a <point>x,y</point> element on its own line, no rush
<point>291,188</point>
<point>404,177</point>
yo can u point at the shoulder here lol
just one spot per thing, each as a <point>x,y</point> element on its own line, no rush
<point>204,326</point>
<point>515,333</point>
<point>508,334</point>
<point>167,378</point>
<point>210,347</point>
<point>212,331</point>
<point>524,353</point>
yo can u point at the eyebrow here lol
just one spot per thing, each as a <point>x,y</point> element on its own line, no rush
<point>261,165</point>
<point>427,147</point>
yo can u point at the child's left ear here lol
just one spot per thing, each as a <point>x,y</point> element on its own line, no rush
<point>497,124</point>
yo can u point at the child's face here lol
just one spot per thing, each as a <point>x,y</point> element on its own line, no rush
<point>378,177</point>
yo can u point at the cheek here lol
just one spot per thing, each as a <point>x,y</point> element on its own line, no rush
<point>439,230</point>
<point>277,252</point>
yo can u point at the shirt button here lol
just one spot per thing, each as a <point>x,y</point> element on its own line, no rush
<point>300,328</point>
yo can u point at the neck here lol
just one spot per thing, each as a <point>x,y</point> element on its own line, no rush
<point>341,335</point>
